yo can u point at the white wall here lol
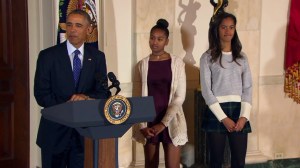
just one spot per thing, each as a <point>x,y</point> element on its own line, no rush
<point>273,32</point>
<point>41,35</point>
<point>118,48</point>
<point>279,115</point>
<point>118,37</point>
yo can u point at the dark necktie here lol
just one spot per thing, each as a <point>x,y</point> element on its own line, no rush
<point>76,67</point>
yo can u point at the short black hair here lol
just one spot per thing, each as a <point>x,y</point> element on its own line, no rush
<point>82,13</point>
<point>163,25</point>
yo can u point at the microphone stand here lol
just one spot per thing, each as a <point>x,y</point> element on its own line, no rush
<point>96,145</point>
<point>115,84</point>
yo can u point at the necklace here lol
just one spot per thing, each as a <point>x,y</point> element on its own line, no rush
<point>158,56</point>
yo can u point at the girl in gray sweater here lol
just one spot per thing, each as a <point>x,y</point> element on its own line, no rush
<point>226,86</point>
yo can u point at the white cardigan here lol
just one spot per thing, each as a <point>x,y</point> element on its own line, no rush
<point>174,118</point>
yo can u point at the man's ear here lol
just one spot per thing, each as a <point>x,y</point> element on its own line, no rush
<point>90,30</point>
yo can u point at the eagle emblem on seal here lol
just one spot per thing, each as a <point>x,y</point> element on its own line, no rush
<point>117,109</point>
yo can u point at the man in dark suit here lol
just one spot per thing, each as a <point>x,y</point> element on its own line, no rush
<point>67,72</point>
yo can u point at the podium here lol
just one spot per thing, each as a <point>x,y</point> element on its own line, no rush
<point>88,118</point>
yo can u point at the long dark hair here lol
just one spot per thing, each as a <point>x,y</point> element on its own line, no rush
<point>214,39</point>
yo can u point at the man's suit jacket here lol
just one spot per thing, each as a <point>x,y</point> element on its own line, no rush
<point>54,84</point>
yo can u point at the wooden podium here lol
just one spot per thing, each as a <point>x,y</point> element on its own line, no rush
<point>87,117</point>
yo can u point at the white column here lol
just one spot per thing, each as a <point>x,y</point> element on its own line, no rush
<point>116,24</point>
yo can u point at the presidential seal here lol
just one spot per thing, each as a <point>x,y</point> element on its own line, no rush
<point>117,109</point>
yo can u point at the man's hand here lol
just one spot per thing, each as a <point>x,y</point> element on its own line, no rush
<point>229,124</point>
<point>77,97</point>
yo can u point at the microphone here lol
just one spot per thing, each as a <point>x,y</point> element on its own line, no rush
<point>103,82</point>
<point>111,76</point>
<point>114,82</point>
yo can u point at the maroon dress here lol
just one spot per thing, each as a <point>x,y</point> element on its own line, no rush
<point>159,85</point>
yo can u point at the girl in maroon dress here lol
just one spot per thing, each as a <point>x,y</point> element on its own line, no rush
<point>162,76</point>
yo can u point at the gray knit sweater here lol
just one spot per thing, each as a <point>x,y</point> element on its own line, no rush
<point>233,83</point>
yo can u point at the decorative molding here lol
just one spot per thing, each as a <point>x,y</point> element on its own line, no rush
<point>271,80</point>
<point>253,157</point>
<point>141,164</point>
<point>46,17</point>
<point>277,163</point>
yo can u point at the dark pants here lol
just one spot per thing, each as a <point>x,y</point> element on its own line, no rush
<point>237,144</point>
<point>72,157</point>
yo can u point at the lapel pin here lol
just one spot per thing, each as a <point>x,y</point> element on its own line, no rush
<point>90,59</point>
